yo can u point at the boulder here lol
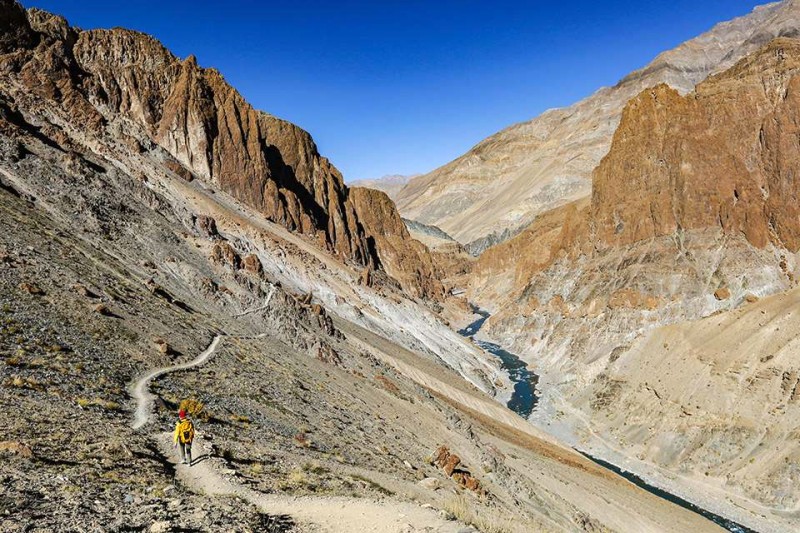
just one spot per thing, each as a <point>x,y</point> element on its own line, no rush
<point>31,288</point>
<point>430,483</point>
<point>723,293</point>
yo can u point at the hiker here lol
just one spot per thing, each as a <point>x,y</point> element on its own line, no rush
<point>184,435</point>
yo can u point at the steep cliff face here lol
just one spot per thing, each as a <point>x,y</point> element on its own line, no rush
<point>85,85</point>
<point>721,159</point>
<point>205,124</point>
<point>725,155</point>
<point>505,181</point>
<point>407,260</point>
<point>269,164</point>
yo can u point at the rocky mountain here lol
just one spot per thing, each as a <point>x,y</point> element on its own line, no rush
<point>117,78</point>
<point>164,245</point>
<point>499,186</point>
<point>692,216</point>
<point>391,184</point>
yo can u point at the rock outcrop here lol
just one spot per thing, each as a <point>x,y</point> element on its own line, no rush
<point>453,468</point>
<point>505,181</point>
<point>405,259</point>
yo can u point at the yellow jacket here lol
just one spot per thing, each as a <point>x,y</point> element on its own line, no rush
<point>176,437</point>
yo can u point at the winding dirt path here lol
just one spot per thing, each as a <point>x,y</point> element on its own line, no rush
<point>141,389</point>
<point>319,514</point>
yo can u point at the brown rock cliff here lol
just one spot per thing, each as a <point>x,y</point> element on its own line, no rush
<point>724,156</point>
<point>102,78</point>
<point>405,259</point>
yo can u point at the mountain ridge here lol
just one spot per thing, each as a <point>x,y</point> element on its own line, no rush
<point>507,179</point>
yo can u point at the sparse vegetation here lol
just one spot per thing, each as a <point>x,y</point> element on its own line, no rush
<point>315,468</point>
<point>98,402</point>
<point>242,419</point>
<point>297,479</point>
<point>194,408</point>
<point>461,509</point>
<point>20,382</point>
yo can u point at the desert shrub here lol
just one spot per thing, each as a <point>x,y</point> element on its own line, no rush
<point>193,407</point>
<point>98,402</point>
<point>460,508</point>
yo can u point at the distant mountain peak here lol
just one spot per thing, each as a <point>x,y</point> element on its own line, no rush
<point>507,180</point>
<point>391,184</point>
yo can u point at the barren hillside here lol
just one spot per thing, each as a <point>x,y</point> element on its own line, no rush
<point>505,181</point>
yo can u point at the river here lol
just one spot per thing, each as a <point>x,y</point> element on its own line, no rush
<point>524,399</point>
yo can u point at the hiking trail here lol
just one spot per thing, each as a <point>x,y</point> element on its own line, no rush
<point>319,514</point>
<point>141,391</point>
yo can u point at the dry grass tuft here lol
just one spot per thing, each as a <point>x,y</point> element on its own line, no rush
<point>194,408</point>
<point>98,402</point>
<point>484,520</point>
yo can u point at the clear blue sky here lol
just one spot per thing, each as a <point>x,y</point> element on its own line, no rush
<point>403,87</point>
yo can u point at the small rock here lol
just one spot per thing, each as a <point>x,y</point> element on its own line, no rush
<point>163,347</point>
<point>160,527</point>
<point>83,291</point>
<point>751,298</point>
<point>128,498</point>
<point>31,288</point>
<point>15,448</point>
<point>253,264</point>
<point>723,293</point>
<point>430,483</point>
<point>175,504</point>
<point>102,309</point>
<point>207,226</point>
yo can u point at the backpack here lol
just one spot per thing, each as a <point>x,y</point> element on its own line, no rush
<point>185,431</point>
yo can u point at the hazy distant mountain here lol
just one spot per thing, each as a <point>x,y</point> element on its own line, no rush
<point>506,180</point>
<point>391,184</point>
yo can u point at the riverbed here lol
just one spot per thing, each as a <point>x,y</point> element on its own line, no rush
<point>524,399</point>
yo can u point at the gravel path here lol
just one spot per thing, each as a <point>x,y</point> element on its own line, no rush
<point>322,514</point>
<point>141,391</point>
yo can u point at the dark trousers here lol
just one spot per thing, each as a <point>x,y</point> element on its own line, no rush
<point>186,451</point>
